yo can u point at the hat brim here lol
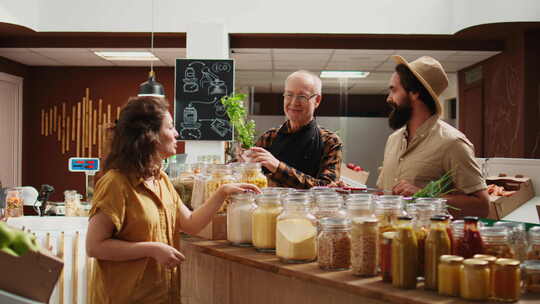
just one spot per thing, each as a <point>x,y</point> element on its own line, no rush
<point>400,60</point>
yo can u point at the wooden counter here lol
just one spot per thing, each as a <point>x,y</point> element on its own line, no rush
<point>215,272</point>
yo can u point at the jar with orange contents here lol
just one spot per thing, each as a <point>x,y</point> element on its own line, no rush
<point>506,280</point>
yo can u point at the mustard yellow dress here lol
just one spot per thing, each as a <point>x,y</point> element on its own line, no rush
<point>139,215</point>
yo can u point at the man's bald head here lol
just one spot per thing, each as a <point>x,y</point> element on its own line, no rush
<point>307,77</point>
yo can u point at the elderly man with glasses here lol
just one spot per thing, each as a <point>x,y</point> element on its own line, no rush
<point>300,154</point>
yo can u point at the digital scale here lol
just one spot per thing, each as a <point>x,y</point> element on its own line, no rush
<point>89,166</point>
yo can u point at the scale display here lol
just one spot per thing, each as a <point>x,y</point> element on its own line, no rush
<point>78,164</point>
<point>199,86</point>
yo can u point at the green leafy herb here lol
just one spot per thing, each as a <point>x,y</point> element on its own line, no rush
<point>438,188</point>
<point>244,130</point>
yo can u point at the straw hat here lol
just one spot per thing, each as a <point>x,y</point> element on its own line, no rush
<point>430,73</point>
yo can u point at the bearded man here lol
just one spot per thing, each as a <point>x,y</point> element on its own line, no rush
<point>423,147</point>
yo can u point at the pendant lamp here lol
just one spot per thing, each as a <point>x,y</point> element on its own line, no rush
<point>151,87</point>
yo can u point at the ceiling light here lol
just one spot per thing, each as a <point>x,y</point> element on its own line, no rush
<point>127,56</point>
<point>344,74</point>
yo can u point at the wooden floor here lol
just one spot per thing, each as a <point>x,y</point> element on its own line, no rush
<point>215,272</point>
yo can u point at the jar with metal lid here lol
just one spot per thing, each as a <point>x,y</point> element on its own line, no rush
<point>334,244</point>
<point>448,275</point>
<point>531,276</point>
<point>437,244</point>
<point>421,213</point>
<point>496,243</point>
<point>264,220</point>
<point>239,219</point>
<point>533,253</point>
<point>517,237</point>
<point>404,255</point>
<point>365,246</point>
<point>14,203</point>
<point>475,280</point>
<point>491,262</point>
<point>385,255</point>
<point>387,209</point>
<point>471,243</point>
<point>359,205</point>
<point>506,280</point>
<point>296,232</point>
<point>252,174</point>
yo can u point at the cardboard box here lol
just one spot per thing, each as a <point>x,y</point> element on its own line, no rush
<point>356,176</point>
<point>217,229</point>
<point>32,275</point>
<point>501,206</point>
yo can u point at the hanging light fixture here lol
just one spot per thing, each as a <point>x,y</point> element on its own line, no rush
<point>151,87</point>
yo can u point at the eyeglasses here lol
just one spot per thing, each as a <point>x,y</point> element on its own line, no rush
<point>301,98</point>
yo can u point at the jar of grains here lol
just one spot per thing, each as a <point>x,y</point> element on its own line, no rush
<point>334,244</point>
<point>365,246</point>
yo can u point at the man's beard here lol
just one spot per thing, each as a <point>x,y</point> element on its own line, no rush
<point>400,115</point>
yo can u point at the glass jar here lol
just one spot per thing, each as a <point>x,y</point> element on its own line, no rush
<point>385,255</point>
<point>437,244</point>
<point>296,232</point>
<point>334,244</point>
<point>199,187</point>
<point>220,175</point>
<point>457,235</point>
<point>387,209</point>
<point>329,206</point>
<point>359,205</point>
<point>264,220</point>
<point>496,243</point>
<point>506,280</point>
<point>404,255</point>
<point>14,203</point>
<point>471,243</point>
<point>365,246</point>
<point>491,262</point>
<point>448,273</point>
<point>183,179</point>
<point>72,199</point>
<point>252,174</point>
<point>474,280</point>
<point>533,252</point>
<point>531,276</point>
<point>421,213</point>
<point>239,219</point>
<point>517,238</point>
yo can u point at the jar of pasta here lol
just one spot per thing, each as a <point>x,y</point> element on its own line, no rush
<point>252,174</point>
<point>496,242</point>
<point>219,175</point>
<point>14,203</point>
<point>517,238</point>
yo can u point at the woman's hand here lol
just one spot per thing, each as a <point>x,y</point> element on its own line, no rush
<point>165,254</point>
<point>230,189</point>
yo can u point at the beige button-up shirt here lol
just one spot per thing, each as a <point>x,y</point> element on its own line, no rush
<point>436,149</point>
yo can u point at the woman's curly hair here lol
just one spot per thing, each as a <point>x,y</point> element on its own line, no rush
<point>133,148</point>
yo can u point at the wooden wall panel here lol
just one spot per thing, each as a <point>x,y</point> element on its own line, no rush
<point>532,94</point>
<point>43,161</point>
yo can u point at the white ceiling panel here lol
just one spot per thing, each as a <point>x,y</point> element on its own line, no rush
<point>30,58</point>
<point>253,65</point>
<point>251,57</point>
<point>363,52</point>
<point>302,51</point>
<point>251,51</point>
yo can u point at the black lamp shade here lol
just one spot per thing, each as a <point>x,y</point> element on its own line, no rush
<point>151,87</point>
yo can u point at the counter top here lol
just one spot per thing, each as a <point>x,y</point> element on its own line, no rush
<point>372,288</point>
<point>526,212</point>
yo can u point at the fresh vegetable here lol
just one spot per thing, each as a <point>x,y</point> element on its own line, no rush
<point>244,130</point>
<point>354,167</point>
<point>437,188</point>
<point>15,242</point>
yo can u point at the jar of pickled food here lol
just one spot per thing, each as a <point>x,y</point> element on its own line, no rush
<point>491,262</point>
<point>448,275</point>
<point>404,255</point>
<point>474,280</point>
<point>359,205</point>
<point>421,213</point>
<point>471,243</point>
<point>387,209</point>
<point>506,280</point>
<point>252,174</point>
<point>365,246</point>
<point>385,255</point>
<point>517,238</point>
<point>239,219</point>
<point>296,232</point>
<point>437,244</point>
<point>531,276</point>
<point>14,203</point>
<point>334,244</point>
<point>533,253</point>
<point>264,221</point>
<point>496,243</point>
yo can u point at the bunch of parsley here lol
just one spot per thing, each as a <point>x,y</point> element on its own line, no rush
<point>244,131</point>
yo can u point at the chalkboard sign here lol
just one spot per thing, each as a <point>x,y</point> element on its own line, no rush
<point>200,84</point>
